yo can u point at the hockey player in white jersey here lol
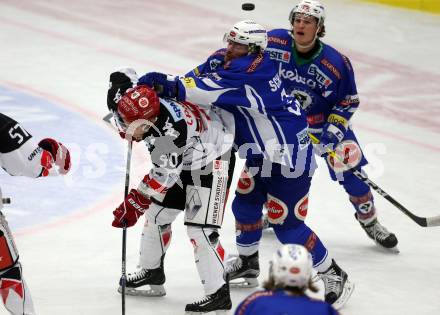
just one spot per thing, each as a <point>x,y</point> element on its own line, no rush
<point>190,149</point>
<point>21,156</point>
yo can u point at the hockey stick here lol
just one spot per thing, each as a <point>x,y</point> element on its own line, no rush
<point>422,221</point>
<point>124,230</point>
<point>107,119</point>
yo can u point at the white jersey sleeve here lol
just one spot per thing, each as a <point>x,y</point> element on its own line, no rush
<point>19,154</point>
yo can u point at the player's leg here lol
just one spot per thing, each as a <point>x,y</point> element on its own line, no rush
<point>287,209</point>
<point>359,193</point>
<point>156,235</point>
<point>206,199</point>
<point>15,294</point>
<point>243,271</point>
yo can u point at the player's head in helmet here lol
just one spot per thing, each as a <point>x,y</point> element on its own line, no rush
<point>138,110</point>
<point>307,19</point>
<point>244,38</point>
<point>291,270</point>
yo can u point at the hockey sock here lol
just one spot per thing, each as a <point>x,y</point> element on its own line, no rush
<point>361,198</point>
<point>248,237</point>
<point>365,209</point>
<point>303,235</point>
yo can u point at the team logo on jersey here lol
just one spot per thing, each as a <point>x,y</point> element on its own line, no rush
<point>169,130</point>
<point>305,99</point>
<point>279,54</point>
<point>246,182</point>
<point>320,76</point>
<point>277,210</point>
<point>301,207</point>
<point>349,155</point>
<point>214,63</point>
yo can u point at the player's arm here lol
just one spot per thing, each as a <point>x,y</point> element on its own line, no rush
<point>348,102</point>
<point>210,65</point>
<point>21,156</point>
<point>167,158</point>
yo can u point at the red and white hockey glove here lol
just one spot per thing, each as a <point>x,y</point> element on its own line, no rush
<point>54,153</point>
<point>134,206</point>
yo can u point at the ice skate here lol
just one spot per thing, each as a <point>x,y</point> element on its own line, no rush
<point>145,282</point>
<point>243,271</point>
<point>380,235</point>
<point>218,302</point>
<point>337,287</point>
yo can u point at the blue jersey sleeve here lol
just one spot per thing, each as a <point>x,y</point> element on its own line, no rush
<point>213,63</point>
<point>348,99</point>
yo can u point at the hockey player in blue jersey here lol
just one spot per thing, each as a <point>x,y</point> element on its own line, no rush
<point>323,81</point>
<point>271,134</point>
<point>290,276</point>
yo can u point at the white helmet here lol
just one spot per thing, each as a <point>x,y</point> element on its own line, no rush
<point>309,7</point>
<point>291,266</point>
<point>249,33</point>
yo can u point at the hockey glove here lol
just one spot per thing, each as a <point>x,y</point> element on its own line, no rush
<point>134,206</point>
<point>165,86</point>
<point>333,132</point>
<point>54,153</point>
<point>120,82</point>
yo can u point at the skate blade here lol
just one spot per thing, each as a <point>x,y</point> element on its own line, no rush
<point>345,296</point>
<point>393,250</point>
<point>218,312</point>
<point>243,283</point>
<point>153,291</point>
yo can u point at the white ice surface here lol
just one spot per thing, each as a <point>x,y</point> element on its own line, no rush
<point>65,50</point>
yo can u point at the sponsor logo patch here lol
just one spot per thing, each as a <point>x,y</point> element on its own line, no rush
<point>320,76</point>
<point>189,82</point>
<point>279,54</point>
<point>350,155</point>
<point>174,109</point>
<point>246,183</point>
<point>332,68</point>
<point>303,139</point>
<point>277,210</point>
<point>277,40</point>
<point>302,207</point>
<point>315,119</point>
